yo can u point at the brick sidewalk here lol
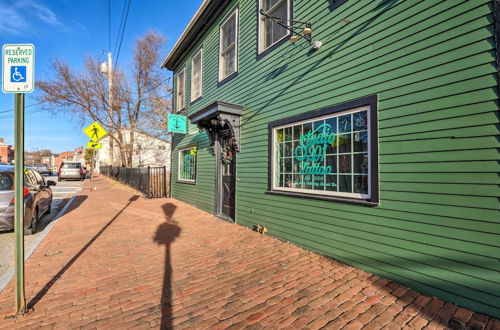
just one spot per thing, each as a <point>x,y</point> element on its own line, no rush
<point>117,261</point>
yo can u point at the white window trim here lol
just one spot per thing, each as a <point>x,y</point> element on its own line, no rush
<point>177,106</point>
<point>179,166</point>
<point>316,192</point>
<point>262,19</point>
<point>235,12</point>
<point>195,97</point>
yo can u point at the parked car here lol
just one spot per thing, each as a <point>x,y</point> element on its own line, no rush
<point>37,198</point>
<point>43,169</point>
<point>71,170</point>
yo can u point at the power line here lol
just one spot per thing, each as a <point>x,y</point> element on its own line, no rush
<point>153,88</point>
<point>120,27</point>
<point>26,106</point>
<point>26,113</point>
<point>121,39</point>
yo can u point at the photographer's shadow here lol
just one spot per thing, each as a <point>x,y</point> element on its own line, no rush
<point>165,235</point>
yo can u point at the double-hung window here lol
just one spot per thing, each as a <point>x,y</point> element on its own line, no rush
<point>187,165</point>
<point>196,75</point>
<point>228,48</point>
<point>271,32</point>
<point>181,90</point>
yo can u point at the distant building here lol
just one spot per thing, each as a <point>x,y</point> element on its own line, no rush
<point>6,152</point>
<point>62,156</point>
<point>147,150</point>
<point>49,160</point>
<point>79,155</point>
<point>74,156</point>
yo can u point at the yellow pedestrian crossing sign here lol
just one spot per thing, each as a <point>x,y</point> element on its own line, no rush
<point>95,132</point>
<point>94,145</point>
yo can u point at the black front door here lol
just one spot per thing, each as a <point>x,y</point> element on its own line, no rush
<point>227,170</point>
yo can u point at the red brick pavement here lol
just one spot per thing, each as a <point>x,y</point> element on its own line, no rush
<point>116,261</point>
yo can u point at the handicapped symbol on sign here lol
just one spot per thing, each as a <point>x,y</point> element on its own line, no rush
<point>18,74</point>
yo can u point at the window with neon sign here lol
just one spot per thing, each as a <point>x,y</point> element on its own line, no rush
<point>187,165</point>
<point>327,155</point>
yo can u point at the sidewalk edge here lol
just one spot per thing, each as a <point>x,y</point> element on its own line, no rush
<point>5,278</point>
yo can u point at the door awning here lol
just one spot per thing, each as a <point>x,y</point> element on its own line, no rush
<point>219,118</point>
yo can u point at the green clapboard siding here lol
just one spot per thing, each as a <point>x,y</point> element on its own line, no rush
<point>202,195</point>
<point>433,66</point>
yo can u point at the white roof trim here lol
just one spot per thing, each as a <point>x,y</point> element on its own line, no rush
<point>187,30</point>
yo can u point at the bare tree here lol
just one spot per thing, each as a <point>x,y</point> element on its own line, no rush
<point>154,119</point>
<point>140,102</point>
<point>35,156</point>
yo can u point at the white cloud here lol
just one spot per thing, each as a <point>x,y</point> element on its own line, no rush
<point>42,12</point>
<point>18,18</point>
<point>11,22</point>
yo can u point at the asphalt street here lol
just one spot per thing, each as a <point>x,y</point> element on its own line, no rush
<point>63,190</point>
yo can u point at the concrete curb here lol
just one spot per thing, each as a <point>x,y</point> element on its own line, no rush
<point>5,278</point>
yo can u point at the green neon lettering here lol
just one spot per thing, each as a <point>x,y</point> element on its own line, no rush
<point>312,149</point>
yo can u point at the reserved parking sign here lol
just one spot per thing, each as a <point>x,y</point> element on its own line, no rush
<point>18,68</point>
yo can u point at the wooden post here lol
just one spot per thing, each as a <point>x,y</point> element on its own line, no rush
<point>165,191</point>
<point>149,181</point>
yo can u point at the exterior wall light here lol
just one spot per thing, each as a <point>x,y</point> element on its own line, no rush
<point>299,29</point>
<point>317,45</point>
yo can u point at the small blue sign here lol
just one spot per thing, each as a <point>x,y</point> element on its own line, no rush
<point>177,124</point>
<point>18,73</point>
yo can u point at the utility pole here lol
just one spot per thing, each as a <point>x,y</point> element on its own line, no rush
<point>108,68</point>
<point>110,88</point>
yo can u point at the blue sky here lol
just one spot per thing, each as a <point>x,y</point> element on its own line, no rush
<point>71,30</point>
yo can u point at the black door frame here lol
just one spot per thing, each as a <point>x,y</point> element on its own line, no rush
<point>219,189</point>
<point>220,119</point>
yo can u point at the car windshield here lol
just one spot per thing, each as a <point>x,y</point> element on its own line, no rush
<point>5,181</point>
<point>70,165</point>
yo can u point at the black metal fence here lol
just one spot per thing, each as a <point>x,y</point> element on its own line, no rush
<point>152,181</point>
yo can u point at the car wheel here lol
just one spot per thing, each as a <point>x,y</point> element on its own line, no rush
<point>49,209</point>
<point>32,229</point>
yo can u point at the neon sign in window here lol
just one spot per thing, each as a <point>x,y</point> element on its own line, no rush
<point>187,164</point>
<point>328,155</point>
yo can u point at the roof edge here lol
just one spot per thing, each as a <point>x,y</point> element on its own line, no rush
<point>186,31</point>
<point>198,25</point>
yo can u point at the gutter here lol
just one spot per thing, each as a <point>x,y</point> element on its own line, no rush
<point>186,31</point>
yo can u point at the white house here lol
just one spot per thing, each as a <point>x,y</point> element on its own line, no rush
<point>148,150</point>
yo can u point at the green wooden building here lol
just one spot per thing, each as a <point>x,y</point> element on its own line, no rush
<point>363,130</point>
